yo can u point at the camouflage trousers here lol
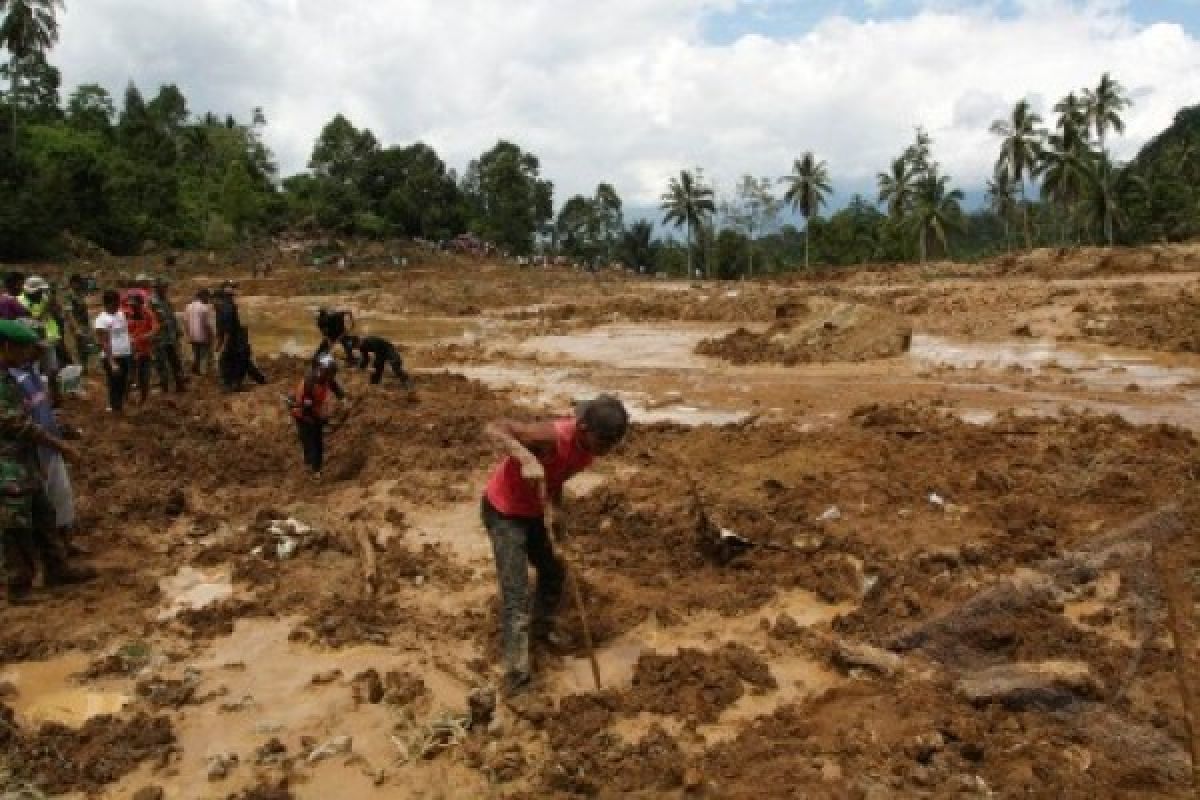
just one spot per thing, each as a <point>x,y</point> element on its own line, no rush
<point>28,537</point>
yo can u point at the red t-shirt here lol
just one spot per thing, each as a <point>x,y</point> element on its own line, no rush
<point>509,492</point>
<point>141,331</point>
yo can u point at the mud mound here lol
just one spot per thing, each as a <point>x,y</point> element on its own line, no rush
<point>59,760</point>
<point>828,332</point>
<point>1166,324</point>
<point>696,684</point>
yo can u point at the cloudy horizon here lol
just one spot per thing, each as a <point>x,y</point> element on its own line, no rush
<point>647,87</point>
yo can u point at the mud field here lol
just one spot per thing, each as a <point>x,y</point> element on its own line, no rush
<point>906,533</point>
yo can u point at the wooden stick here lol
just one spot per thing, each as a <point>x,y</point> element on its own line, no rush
<point>573,577</point>
<point>1174,588</point>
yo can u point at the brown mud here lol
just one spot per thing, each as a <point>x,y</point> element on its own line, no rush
<point>932,571</point>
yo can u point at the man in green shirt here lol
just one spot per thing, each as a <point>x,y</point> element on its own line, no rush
<point>166,349</point>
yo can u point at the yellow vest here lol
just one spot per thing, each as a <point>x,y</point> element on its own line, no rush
<point>41,312</point>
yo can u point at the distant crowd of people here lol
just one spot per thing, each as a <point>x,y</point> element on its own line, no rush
<point>49,341</point>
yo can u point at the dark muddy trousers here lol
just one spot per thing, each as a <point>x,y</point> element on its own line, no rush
<point>201,358</point>
<point>118,381</point>
<point>25,548</point>
<point>169,365</point>
<point>235,364</point>
<point>518,542</point>
<point>312,440</point>
<point>141,372</point>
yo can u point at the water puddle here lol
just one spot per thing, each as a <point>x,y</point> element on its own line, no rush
<point>190,589</point>
<point>1096,367</point>
<point>629,346</point>
<point>46,692</point>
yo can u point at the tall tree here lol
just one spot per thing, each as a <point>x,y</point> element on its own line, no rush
<point>938,210</point>
<point>508,199</point>
<point>1002,200</point>
<point>1021,136</point>
<point>808,187</point>
<point>29,28</point>
<point>1063,165</point>
<point>1103,107</point>
<point>753,212</point>
<point>638,246</point>
<point>689,203</point>
<point>896,189</point>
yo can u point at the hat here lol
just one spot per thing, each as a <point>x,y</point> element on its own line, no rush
<point>15,332</point>
<point>142,277</point>
<point>325,361</point>
<point>36,283</point>
<point>228,284</point>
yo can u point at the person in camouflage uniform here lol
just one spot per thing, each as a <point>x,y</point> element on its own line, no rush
<point>26,516</point>
<point>78,321</point>
<point>166,349</point>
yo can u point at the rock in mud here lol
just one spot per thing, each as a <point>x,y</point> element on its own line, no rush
<point>854,655</point>
<point>149,793</point>
<point>368,687</point>
<point>1018,687</point>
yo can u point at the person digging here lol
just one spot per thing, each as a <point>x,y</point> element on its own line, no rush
<point>385,354</point>
<point>310,407</point>
<point>522,510</point>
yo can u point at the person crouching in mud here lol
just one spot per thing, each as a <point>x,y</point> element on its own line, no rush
<point>522,508</point>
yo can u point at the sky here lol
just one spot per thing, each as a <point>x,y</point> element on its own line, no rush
<point>631,91</point>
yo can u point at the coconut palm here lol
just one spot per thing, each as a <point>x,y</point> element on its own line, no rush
<point>29,28</point>
<point>1073,125</point>
<point>808,186</point>
<point>1103,107</point>
<point>896,188</point>
<point>1063,166</point>
<point>687,202</point>
<point>1022,137</point>
<point>937,210</point>
<point>1002,200</point>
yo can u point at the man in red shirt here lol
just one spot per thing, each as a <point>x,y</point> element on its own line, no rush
<point>524,500</point>
<point>311,408</point>
<point>143,330</point>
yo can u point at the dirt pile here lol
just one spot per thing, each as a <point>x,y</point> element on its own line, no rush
<point>824,331</point>
<point>1170,324</point>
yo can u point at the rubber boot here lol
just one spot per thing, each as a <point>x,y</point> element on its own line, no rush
<point>58,571</point>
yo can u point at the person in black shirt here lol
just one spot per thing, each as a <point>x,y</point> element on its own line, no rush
<point>335,327</point>
<point>385,354</point>
<point>233,341</point>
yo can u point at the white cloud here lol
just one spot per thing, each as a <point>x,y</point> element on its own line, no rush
<point>628,91</point>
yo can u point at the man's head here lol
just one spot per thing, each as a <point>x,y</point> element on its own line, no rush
<point>75,281</point>
<point>36,288</point>
<point>14,283</point>
<point>143,280</point>
<point>162,285</point>
<point>19,344</point>
<point>111,300</point>
<point>603,422</point>
<point>228,288</point>
<point>325,368</point>
<point>136,303</point>
<point>204,295</point>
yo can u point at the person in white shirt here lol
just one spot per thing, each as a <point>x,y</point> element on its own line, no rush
<point>112,331</point>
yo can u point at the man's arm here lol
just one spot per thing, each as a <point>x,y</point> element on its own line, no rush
<point>525,441</point>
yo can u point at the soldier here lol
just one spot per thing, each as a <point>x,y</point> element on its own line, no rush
<point>166,347</point>
<point>27,517</point>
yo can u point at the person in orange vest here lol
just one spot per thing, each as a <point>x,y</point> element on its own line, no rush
<point>310,405</point>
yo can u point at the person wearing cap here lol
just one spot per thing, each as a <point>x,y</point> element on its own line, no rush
<point>523,512</point>
<point>37,301</point>
<point>112,329</point>
<point>310,407</point>
<point>27,529</point>
<point>143,332</point>
<point>166,345</point>
<point>10,303</point>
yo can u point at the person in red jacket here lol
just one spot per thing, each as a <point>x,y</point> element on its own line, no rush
<point>522,508</point>
<point>311,407</point>
<point>143,330</point>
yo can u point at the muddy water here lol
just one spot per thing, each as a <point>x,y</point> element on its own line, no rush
<point>48,692</point>
<point>631,346</point>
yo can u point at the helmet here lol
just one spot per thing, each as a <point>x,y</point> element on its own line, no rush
<point>36,283</point>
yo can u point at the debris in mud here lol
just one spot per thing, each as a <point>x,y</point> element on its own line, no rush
<point>266,790</point>
<point>1019,687</point>
<point>60,760</point>
<point>221,765</point>
<point>854,655</point>
<point>338,745</point>
<point>833,331</point>
<point>1170,324</point>
<point>169,692</point>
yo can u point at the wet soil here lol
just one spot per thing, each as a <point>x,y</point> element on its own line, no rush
<point>941,571</point>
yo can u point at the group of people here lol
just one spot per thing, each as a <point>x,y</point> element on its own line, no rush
<point>522,506</point>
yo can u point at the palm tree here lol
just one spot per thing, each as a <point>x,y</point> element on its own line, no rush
<point>937,210</point>
<point>896,188</point>
<point>1073,124</point>
<point>1063,166</point>
<point>687,202</point>
<point>1103,108</point>
<point>808,186</point>
<point>638,244</point>
<point>1002,200</point>
<point>1022,137</point>
<point>29,28</point>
